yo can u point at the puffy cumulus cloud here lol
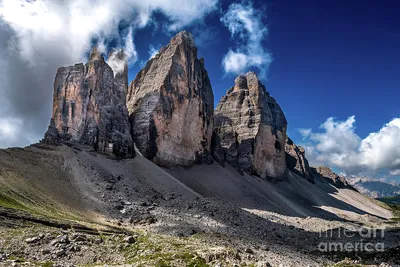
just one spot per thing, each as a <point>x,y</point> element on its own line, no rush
<point>37,37</point>
<point>337,145</point>
<point>327,142</point>
<point>395,172</point>
<point>381,149</point>
<point>129,53</point>
<point>115,61</point>
<point>246,25</point>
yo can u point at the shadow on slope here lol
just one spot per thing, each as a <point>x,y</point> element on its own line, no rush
<point>293,196</point>
<point>76,183</point>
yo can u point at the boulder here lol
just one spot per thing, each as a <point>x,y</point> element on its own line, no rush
<point>171,105</point>
<point>250,129</point>
<point>89,106</point>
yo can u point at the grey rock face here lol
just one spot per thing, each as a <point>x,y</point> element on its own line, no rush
<point>89,106</point>
<point>296,160</point>
<point>333,178</point>
<point>52,136</point>
<point>171,106</point>
<point>250,129</point>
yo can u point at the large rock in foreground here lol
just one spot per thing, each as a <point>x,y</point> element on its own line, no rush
<point>171,104</point>
<point>296,160</point>
<point>250,129</point>
<point>89,106</point>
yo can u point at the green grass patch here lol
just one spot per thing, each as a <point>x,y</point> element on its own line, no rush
<point>8,202</point>
<point>46,264</point>
<point>161,251</point>
<point>390,200</point>
<point>396,212</point>
<point>394,205</point>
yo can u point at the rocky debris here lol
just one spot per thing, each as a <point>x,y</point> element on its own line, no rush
<point>33,239</point>
<point>52,135</point>
<point>171,105</point>
<point>296,160</point>
<point>129,239</point>
<point>250,129</point>
<point>333,178</point>
<point>143,219</point>
<point>249,250</point>
<point>263,264</point>
<point>126,203</point>
<point>89,106</point>
<point>79,237</point>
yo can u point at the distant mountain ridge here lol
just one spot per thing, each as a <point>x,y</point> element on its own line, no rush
<point>375,188</point>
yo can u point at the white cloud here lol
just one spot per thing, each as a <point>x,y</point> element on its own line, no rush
<point>37,37</point>
<point>246,26</point>
<point>116,63</point>
<point>130,54</point>
<point>129,48</point>
<point>381,149</point>
<point>327,142</point>
<point>337,145</point>
<point>395,172</point>
<point>305,132</point>
<point>235,62</point>
<point>9,132</point>
<point>70,23</point>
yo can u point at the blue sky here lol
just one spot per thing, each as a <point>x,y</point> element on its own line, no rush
<point>330,59</point>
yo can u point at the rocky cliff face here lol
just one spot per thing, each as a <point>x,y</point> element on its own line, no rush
<point>89,106</point>
<point>296,160</point>
<point>250,129</point>
<point>331,177</point>
<point>171,104</point>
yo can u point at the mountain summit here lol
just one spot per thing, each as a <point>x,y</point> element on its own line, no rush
<point>89,107</point>
<point>250,129</point>
<point>171,105</point>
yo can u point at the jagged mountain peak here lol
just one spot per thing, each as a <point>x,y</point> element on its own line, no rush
<point>89,107</point>
<point>250,129</point>
<point>171,107</point>
<point>246,81</point>
<point>95,54</point>
<point>183,37</point>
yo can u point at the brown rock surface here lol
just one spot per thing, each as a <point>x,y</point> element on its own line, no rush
<point>331,177</point>
<point>171,104</point>
<point>296,160</point>
<point>89,106</point>
<point>250,129</point>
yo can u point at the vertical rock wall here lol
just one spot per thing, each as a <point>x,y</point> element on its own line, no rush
<point>171,104</point>
<point>250,129</point>
<point>89,106</point>
<point>296,160</point>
